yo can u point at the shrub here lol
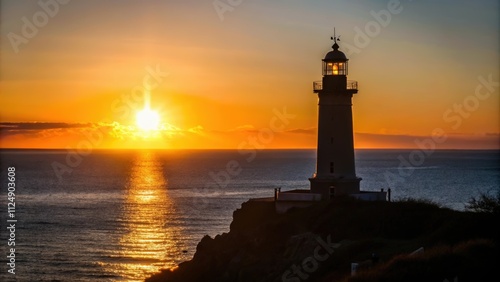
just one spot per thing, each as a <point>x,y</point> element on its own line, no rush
<point>485,203</point>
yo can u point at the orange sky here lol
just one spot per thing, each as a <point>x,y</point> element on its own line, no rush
<point>218,78</point>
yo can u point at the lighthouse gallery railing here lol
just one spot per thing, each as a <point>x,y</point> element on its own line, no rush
<point>351,85</point>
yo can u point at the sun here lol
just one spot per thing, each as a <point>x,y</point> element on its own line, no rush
<point>148,120</point>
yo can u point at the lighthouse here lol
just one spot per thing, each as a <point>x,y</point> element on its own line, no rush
<point>335,168</point>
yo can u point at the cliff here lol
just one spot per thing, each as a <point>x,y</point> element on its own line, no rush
<point>319,243</point>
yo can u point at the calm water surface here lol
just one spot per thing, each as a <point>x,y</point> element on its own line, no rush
<point>123,215</point>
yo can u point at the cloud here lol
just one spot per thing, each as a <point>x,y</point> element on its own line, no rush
<point>39,125</point>
<point>453,141</point>
<point>103,134</point>
<point>244,128</point>
<point>116,135</point>
<point>38,129</point>
<point>312,130</point>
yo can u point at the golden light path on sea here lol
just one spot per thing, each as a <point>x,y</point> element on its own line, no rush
<point>150,239</point>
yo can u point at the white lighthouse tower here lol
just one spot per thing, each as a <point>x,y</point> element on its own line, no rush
<point>335,168</point>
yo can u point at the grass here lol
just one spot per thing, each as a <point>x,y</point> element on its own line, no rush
<point>474,260</point>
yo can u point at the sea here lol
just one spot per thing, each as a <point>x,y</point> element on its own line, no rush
<point>122,215</point>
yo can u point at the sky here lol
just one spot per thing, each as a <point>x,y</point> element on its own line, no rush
<point>238,73</point>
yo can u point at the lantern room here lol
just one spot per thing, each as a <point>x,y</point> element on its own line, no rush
<point>335,62</point>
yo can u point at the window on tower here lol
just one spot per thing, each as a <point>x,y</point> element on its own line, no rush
<point>334,68</point>
<point>331,167</point>
<point>329,69</point>
<point>342,68</point>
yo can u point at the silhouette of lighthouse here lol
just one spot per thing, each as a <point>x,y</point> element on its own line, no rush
<point>335,169</point>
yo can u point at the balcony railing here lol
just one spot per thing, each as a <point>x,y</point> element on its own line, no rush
<point>351,85</point>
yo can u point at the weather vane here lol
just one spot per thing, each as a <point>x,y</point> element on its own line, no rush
<point>335,37</point>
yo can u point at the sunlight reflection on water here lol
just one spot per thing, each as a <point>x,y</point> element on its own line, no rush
<point>148,240</point>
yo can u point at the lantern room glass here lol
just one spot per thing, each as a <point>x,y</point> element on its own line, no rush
<point>334,68</point>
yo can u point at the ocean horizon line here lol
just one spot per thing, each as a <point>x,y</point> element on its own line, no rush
<point>236,149</point>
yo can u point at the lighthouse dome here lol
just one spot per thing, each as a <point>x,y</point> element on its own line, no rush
<point>335,55</point>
